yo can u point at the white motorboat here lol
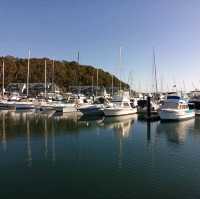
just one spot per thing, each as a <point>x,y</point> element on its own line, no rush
<point>175,108</point>
<point>120,105</point>
<point>16,105</point>
<point>58,106</point>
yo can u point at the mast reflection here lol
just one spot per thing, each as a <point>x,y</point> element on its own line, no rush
<point>4,140</point>
<point>29,152</point>
<point>121,126</point>
<point>53,143</point>
<point>45,139</point>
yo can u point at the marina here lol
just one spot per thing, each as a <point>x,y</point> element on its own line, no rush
<point>100,99</point>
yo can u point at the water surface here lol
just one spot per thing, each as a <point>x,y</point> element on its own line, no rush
<point>64,156</point>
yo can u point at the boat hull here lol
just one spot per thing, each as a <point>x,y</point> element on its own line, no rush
<point>118,111</point>
<point>68,109</point>
<point>91,110</point>
<point>16,106</point>
<point>24,106</point>
<point>176,115</point>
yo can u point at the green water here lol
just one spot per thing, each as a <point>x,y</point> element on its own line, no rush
<point>70,157</point>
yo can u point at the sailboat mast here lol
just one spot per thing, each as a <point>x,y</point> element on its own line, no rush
<point>97,81</point>
<point>92,85</point>
<point>155,72</point>
<point>53,89</point>
<point>45,78</point>
<point>27,83</point>
<point>78,57</point>
<point>120,63</point>
<point>112,85</point>
<point>3,81</point>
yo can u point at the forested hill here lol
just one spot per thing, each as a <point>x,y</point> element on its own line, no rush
<point>65,73</point>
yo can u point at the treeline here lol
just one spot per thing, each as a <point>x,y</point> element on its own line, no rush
<point>65,73</point>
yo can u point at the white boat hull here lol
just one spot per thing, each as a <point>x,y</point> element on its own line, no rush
<point>119,111</point>
<point>176,115</point>
<point>66,109</point>
<point>19,106</point>
<point>16,105</point>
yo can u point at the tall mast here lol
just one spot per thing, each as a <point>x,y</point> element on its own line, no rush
<point>130,82</point>
<point>45,78</point>
<point>120,63</point>
<point>92,85</point>
<point>97,81</point>
<point>155,72</point>
<point>27,83</point>
<point>78,57</point>
<point>3,81</point>
<point>112,84</point>
<point>53,89</point>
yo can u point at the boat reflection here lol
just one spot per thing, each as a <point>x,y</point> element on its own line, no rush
<point>31,126</point>
<point>121,124</point>
<point>4,139</point>
<point>197,124</point>
<point>175,131</point>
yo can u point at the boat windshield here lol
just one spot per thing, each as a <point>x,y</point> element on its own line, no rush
<point>170,105</point>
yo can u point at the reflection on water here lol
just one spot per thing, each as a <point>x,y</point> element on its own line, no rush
<point>53,144</point>
<point>121,125</point>
<point>29,153</point>
<point>45,139</point>
<point>33,124</point>
<point>197,124</point>
<point>4,142</point>
<point>148,130</point>
<point>176,131</point>
<point>101,154</point>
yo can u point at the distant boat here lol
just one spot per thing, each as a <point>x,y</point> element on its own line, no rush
<point>120,105</point>
<point>194,102</point>
<point>175,108</point>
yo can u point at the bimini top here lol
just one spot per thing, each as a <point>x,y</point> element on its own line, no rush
<point>173,97</point>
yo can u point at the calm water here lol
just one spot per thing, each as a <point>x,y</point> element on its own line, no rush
<point>67,157</point>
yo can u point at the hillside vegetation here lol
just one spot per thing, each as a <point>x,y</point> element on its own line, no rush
<point>65,73</point>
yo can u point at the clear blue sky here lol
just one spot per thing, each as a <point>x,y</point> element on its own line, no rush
<point>97,28</point>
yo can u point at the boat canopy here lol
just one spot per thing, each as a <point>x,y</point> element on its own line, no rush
<point>173,97</point>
